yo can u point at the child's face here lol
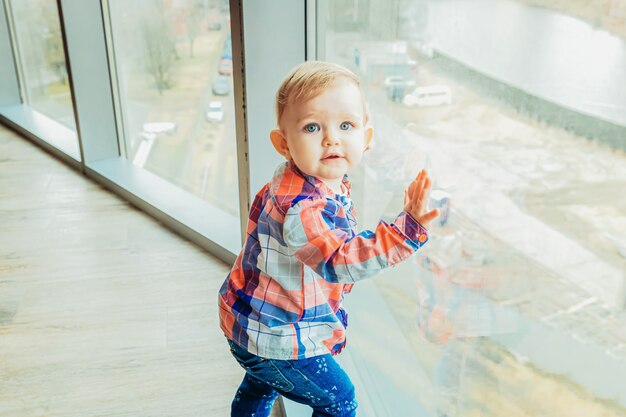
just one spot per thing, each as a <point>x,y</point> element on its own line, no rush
<point>326,135</point>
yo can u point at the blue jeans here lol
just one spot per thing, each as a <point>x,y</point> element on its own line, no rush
<point>318,382</point>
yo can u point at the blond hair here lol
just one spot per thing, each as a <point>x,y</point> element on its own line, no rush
<point>308,80</point>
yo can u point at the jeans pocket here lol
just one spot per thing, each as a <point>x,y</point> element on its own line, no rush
<point>272,375</point>
<point>262,369</point>
<point>265,370</point>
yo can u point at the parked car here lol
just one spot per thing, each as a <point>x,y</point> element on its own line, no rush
<point>227,49</point>
<point>157,128</point>
<point>225,67</point>
<point>431,95</point>
<point>215,112</point>
<point>397,86</point>
<point>396,80</point>
<point>221,85</point>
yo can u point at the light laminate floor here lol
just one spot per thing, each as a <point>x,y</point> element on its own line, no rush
<point>103,311</point>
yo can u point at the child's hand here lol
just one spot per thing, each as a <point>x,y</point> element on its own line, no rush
<point>416,199</point>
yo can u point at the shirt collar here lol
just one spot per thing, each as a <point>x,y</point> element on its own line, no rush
<point>319,183</point>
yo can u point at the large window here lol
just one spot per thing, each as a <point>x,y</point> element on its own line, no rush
<point>41,59</point>
<point>517,108</point>
<point>173,72</point>
<point>516,305</point>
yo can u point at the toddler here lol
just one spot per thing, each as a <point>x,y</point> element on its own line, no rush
<point>280,306</point>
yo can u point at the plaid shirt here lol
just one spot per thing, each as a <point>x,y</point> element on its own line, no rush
<point>282,298</point>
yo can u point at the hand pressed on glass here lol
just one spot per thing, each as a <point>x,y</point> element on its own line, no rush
<point>416,199</point>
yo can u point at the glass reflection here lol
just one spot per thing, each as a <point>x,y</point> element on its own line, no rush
<point>522,284</point>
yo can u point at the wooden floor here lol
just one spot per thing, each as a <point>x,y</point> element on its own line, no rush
<point>103,311</point>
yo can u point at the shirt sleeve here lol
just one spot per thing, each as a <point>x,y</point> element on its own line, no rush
<point>310,231</point>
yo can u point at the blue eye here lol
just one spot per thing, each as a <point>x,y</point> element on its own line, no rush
<point>312,128</point>
<point>345,126</point>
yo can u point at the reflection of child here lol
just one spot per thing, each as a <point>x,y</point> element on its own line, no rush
<point>280,306</point>
<point>455,309</point>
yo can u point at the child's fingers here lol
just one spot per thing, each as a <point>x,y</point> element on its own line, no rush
<point>416,180</point>
<point>422,176</point>
<point>419,196</point>
<point>429,217</point>
<point>411,191</point>
<point>414,188</point>
<point>418,177</point>
<point>417,193</point>
<point>424,196</point>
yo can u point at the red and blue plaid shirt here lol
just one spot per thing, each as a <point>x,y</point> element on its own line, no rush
<point>282,298</point>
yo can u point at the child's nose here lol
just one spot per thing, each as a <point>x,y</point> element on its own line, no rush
<point>331,137</point>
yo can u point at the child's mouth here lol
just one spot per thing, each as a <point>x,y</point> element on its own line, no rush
<point>332,160</point>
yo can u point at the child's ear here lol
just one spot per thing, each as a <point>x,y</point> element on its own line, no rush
<point>280,143</point>
<point>369,138</point>
<point>369,130</point>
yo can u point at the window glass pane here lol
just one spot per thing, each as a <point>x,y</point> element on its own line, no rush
<point>516,111</point>
<point>173,70</point>
<point>41,59</point>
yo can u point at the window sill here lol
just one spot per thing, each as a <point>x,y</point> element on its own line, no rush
<point>197,220</point>
<point>50,134</point>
